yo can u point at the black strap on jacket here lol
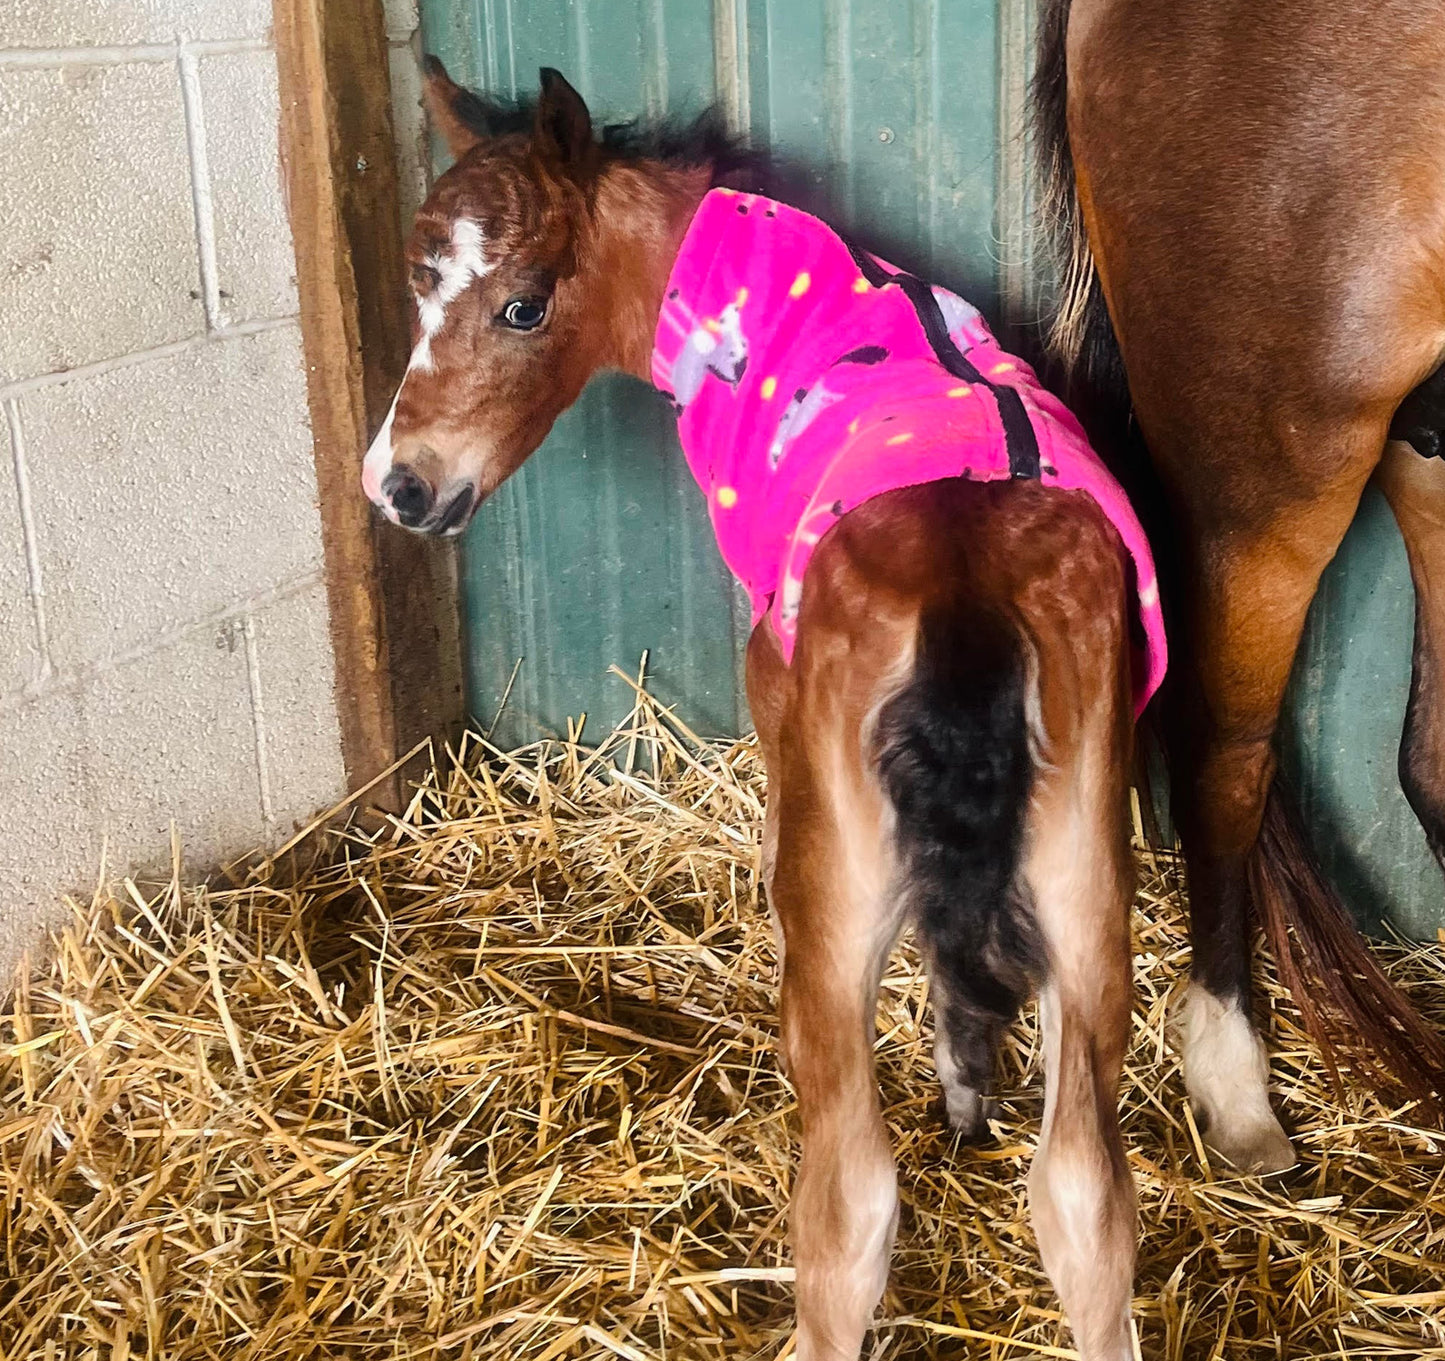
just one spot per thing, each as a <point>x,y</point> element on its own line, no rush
<point>1018,431</point>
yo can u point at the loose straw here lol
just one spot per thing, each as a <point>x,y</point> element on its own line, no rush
<point>500,1080</point>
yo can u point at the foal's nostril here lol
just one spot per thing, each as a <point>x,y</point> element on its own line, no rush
<point>410,496</point>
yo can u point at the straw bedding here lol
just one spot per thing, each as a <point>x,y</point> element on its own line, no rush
<point>499,1080</point>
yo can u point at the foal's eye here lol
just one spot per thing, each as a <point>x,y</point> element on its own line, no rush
<point>523,314</point>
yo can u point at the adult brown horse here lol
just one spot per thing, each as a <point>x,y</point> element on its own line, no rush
<point>1256,194</point>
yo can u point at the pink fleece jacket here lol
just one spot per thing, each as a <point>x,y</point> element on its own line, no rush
<point>809,378</point>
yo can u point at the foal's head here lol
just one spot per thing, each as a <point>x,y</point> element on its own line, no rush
<point>539,257</point>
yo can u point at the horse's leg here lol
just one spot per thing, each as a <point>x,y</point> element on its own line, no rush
<point>1270,320</point>
<point>838,930</point>
<point>838,916</point>
<point>1079,871</point>
<point>1246,590</point>
<point>1415,488</point>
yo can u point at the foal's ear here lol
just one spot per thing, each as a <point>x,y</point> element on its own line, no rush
<point>449,104</point>
<point>562,119</point>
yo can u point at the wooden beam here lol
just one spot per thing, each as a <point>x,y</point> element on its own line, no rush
<point>392,595</point>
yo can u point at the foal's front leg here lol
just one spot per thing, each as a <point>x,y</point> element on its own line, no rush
<point>830,892</point>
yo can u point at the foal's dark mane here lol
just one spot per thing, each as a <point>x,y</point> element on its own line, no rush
<point>702,139</point>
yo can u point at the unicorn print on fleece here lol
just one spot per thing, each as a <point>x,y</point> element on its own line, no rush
<point>711,345</point>
<point>955,612</point>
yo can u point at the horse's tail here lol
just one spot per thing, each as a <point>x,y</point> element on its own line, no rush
<point>1348,1004</point>
<point>1079,334</point>
<point>956,760</point>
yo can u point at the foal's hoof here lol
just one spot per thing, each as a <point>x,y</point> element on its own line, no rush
<point>1258,1149</point>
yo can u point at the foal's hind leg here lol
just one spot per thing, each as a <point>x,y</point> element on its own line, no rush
<point>1415,487</point>
<point>1080,873</point>
<point>838,919</point>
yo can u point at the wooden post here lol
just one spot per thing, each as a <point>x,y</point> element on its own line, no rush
<point>392,596</point>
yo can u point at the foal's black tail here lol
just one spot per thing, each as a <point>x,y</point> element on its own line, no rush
<point>954,756</point>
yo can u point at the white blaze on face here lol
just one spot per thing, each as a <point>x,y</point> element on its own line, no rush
<point>377,463</point>
<point>421,356</point>
<point>456,269</point>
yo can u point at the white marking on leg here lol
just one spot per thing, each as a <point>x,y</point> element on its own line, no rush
<point>1225,1064</point>
<point>1226,1073</point>
<point>842,1278</point>
<point>880,1193</point>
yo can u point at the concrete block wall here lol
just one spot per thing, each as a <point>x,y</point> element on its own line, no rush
<point>403,24</point>
<point>165,656</point>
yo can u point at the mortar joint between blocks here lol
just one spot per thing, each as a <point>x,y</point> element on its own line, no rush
<point>258,723</point>
<point>240,330</point>
<point>43,58</point>
<point>201,197</point>
<point>228,618</point>
<point>26,508</point>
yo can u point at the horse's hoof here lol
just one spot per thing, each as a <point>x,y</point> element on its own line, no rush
<point>1226,1073</point>
<point>1260,1149</point>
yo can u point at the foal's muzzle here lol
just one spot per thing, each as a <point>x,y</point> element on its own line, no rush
<point>410,496</point>
<point>415,505</point>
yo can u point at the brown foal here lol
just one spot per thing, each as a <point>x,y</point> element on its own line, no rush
<point>954,730</point>
<point>1254,195</point>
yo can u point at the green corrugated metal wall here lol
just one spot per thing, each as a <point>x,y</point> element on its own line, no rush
<point>905,117</point>
<point>1342,732</point>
